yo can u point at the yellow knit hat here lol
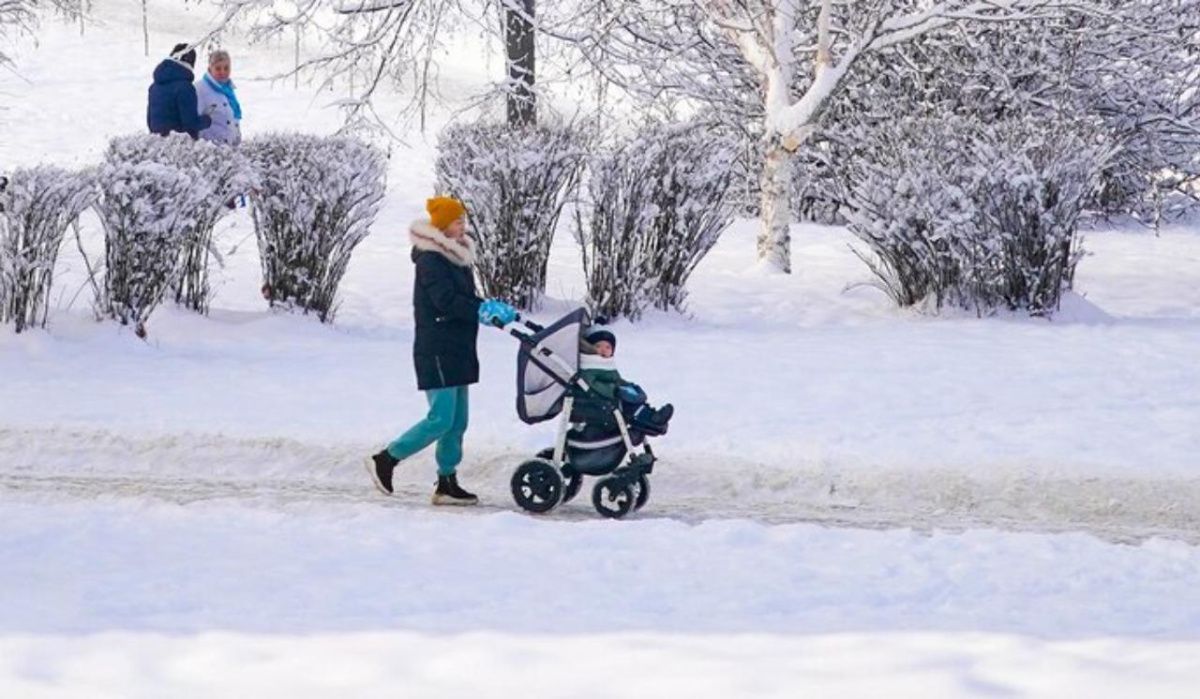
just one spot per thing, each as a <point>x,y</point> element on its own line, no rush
<point>444,210</point>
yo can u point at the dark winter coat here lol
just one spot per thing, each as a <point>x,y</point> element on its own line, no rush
<point>171,106</point>
<point>446,310</point>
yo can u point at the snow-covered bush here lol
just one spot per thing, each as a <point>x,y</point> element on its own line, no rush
<point>1128,69</point>
<point>1137,71</point>
<point>691,200</point>
<point>982,216</point>
<point>515,182</point>
<point>1031,184</point>
<point>147,211</point>
<point>656,206</point>
<point>316,200</point>
<point>611,231</point>
<point>219,173</point>
<point>814,186</point>
<point>36,207</point>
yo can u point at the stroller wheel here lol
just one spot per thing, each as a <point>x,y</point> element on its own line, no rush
<point>641,492</point>
<point>613,497</point>
<point>536,486</point>
<point>573,482</point>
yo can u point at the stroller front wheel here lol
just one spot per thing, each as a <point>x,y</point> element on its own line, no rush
<point>536,486</point>
<point>613,497</point>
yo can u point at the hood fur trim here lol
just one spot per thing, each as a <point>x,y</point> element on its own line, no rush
<point>428,238</point>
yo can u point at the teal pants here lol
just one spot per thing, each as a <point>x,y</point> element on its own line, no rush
<point>445,424</point>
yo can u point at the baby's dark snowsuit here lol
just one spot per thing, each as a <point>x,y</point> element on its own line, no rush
<point>602,376</point>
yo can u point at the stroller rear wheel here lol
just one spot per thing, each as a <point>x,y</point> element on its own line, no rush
<point>536,486</point>
<point>613,497</point>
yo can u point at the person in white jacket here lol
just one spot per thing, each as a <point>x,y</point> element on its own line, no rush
<point>217,97</point>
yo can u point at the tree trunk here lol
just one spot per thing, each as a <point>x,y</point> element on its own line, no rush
<point>774,238</point>
<point>145,27</point>
<point>519,46</point>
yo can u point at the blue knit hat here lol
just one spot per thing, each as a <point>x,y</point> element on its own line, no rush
<point>602,336</point>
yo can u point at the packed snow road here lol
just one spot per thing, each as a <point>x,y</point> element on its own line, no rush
<point>53,464</point>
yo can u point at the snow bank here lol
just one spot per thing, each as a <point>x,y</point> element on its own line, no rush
<point>141,566</point>
<point>132,597</point>
<point>384,664</point>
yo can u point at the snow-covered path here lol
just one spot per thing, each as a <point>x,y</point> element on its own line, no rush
<point>270,473</point>
<point>133,597</point>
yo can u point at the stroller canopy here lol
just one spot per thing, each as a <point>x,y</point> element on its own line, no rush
<point>547,363</point>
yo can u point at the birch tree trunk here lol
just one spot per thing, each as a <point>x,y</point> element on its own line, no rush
<point>774,236</point>
<point>775,183</point>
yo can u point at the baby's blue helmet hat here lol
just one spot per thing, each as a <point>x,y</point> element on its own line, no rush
<point>601,336</point>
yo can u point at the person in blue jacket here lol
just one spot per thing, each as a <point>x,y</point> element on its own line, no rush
<point>172,101</point>
<point>447,314</point>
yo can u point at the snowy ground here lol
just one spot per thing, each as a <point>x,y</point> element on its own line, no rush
<point>307,599</point>
<point>853,500</point>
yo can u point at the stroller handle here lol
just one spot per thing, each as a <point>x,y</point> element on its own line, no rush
<point>527,323</point>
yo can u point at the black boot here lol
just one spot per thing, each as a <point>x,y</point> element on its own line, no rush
<point>449,492</point>
<point>663,415</point>
<point>381,466</point>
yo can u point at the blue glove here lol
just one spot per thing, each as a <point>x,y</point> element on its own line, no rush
<point>496,312</point>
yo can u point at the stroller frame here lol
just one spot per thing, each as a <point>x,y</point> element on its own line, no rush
<point>541,484</point>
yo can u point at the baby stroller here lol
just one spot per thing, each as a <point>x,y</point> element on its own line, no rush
<point>594,438</point>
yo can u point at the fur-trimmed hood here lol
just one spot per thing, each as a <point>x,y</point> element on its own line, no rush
<point>428,238</point>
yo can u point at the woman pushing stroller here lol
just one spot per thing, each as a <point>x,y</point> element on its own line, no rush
<point>447,314</point>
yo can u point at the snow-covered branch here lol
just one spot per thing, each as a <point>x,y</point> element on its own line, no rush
<point>360,45</point>
<point>19,17</point>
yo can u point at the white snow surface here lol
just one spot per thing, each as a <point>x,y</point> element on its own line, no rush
<point>853,500</point>
<point>311,599</point>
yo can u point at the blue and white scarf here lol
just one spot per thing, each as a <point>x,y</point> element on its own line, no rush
<point>226,88</point>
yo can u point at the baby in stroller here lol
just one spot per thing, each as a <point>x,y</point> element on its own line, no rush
<point>598,367</point>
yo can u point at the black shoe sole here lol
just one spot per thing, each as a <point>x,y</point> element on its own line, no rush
<point>441,499</point>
